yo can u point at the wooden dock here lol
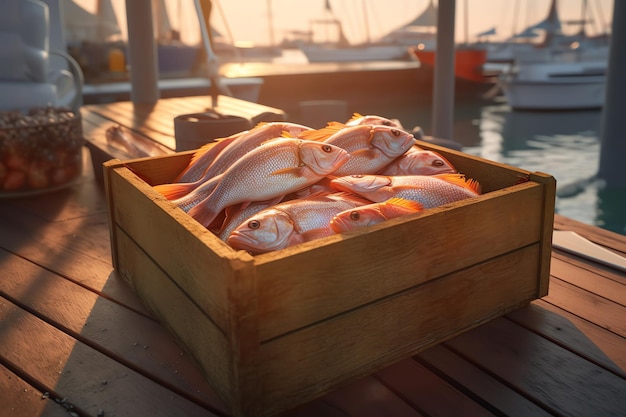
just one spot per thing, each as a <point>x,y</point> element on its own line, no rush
<point>74,338</point>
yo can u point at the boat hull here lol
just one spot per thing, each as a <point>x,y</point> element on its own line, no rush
<point>549,96</point>
<point>320,53</point>
<point>468,62</point>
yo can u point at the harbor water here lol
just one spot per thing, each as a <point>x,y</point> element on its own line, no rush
<point>564,144</point>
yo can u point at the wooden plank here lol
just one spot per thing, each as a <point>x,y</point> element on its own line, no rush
<point>590,280</point>
<point>428,393</point>
<point>20,399</point>
<point>580,336</point>
<point>603,237</point>
<point>477,384</point>
<point>553,377</point>
<point>368,397</point>
<point>598,310</point>
<point>588,266</point>
<point>78,249</point>
<point>141,343</point>
<point>87,378</point>
<point>363,340</point>
<point>572,242</point>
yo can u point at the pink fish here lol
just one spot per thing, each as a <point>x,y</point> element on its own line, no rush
<point>214,163</point>
<point>370,147</point>
<point>418,161</point>
<point>373,213</point>
<point>372,119</point>
<point>203,157</point>
<point>237,214</point>
<point>291,222</point>
<point>274,169</point>
<point>428,190</point>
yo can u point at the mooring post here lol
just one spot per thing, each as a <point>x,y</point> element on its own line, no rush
<point>443,91</point>
<point>613,129</point>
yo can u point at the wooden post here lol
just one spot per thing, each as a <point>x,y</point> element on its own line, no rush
<point>144,71</point>
<point>443,91</point>
<point>613,135</point>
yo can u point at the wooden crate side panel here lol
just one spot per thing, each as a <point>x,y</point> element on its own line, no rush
<point>155,170</point>
<point>174,241</point>
<point>244,340</point>
<point>364,266</point>
<point>195,331</point>
<point>547,220</point>
<point>305,364</point>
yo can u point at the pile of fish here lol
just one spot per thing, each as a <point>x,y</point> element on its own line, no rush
<point>280,183</point>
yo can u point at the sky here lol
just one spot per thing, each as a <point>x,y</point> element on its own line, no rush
<point>248,20</point>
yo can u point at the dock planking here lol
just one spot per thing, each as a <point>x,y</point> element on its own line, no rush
<point>74,334</point>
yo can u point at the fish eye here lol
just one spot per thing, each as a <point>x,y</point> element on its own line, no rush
<point>437,163</point>
<point>395,132</point>
<point>327,148</point>
<point>254,224</point>
<point>354,215</point>
<point>387,123</point>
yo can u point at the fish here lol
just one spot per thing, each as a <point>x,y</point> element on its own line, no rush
<point>292,222</point>
<point>417,161</point>
<point>273,169</point>
<point>372,119</point>
<point>237,214</point>
<point>428,190</point>
<point>371,147</point>
<point>203,156</point>
<point>214,163</point>
<point>373,213</point>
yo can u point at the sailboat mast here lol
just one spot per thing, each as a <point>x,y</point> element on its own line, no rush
<point>366,21</point>
<point>270,22</point>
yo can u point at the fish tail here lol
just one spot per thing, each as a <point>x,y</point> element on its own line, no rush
<point>176,190</point>
<point>203,214</point>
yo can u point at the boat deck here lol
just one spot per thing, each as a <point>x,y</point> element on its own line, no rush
<point>75,338</point>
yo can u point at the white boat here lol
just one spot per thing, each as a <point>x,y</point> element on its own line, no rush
<point>556,85</point>
<point>356,53</point>
<point>335,47</point>
<point>566,73</point>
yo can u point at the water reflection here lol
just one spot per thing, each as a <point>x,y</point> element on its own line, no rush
<point>563,144</point>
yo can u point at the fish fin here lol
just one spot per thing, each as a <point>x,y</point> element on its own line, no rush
<point>176,190</point>
<point>355,116</point>
<point>365,152</point>
<point>260,124</point>
<point>286,134</point>
<point>316,234</point>
<point>403,202</point>
<point>291,170</point>
<point>202,213</point>
<point>320,135</point>
<point>461,181</point>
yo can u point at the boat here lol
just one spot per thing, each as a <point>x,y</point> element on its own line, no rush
<point>556,85</point>
<point>335,47</point>
<point>468,62</point>
<point>559,75</point>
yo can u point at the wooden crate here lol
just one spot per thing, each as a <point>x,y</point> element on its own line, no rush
<point>277,330</point>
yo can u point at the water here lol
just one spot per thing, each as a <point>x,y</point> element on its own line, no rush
<point>565,145</point>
